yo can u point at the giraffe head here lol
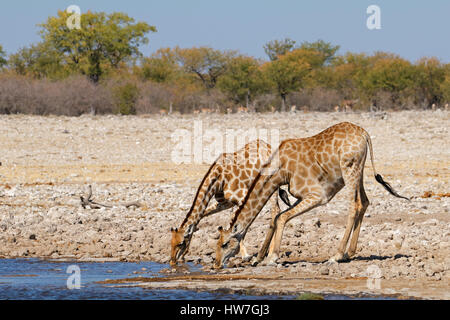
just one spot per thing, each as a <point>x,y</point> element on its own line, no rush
<point>179,244</point>
<point>227,246</point>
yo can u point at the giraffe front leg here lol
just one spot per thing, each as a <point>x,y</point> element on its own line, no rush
<point>276,229</point>
<point>272,255</point>
<point>243,252</point>
<point>275,212</point>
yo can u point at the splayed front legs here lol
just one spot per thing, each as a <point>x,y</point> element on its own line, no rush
<point>275,232</point>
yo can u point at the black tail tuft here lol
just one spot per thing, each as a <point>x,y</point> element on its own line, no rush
<point>388,187</point>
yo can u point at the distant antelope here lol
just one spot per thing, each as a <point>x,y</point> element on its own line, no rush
<point>293,108</point>
<point>162,112</point>
<point>206,110</point>
<point>242,109</point>
<point>347,105</point>
<point>336,108</point>
<point>272,109</point>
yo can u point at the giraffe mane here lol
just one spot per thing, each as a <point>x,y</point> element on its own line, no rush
<point>255,181</point>
<point>198,191</point>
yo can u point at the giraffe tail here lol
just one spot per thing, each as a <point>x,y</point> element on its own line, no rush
<point>378,177</point>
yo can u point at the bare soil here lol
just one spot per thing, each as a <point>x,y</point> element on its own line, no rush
<point>48,162</point>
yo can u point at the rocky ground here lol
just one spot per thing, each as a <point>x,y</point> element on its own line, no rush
<point>48,162</point>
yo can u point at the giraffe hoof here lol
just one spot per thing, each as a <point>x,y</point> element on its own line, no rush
<point>339,258</point>
<point>247,258</point>
<point>330,262</point>
<point>271,261</point>
<point>254,262</point>
<point>346,257</point>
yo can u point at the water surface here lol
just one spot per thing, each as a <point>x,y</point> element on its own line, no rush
<point>29,279</point>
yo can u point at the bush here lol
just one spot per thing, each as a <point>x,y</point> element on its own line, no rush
<point>71,97</point>
<point>153,97</point>
<point>316,99</point>
<point>125,98</point>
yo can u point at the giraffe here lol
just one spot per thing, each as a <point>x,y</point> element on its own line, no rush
<point>315,169</point>
<point>228,180</point>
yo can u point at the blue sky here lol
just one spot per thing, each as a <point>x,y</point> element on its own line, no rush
<point>410,28</point>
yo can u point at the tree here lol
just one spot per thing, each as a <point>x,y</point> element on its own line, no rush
<point>38,61</point>
<point>161,66</point>
<point>276,48</point>
<point>243,80</point>
<point>207,64</point>
<point>326,50</point>
<point>430,74</point>
<point>392,75</point>
<point>3,60</point>
<point>445,85</point>
<point>103,41</point>
<point>288,73</point>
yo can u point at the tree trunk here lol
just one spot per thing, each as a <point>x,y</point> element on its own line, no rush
<point>247,99</point>
<point>283,103</point>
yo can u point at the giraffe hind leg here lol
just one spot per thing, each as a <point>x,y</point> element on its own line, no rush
<point>352,177</point>
<point>362,204</point>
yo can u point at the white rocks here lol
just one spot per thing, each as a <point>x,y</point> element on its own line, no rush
<point>51,209</point>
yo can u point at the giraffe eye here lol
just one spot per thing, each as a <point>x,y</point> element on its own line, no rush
<point>225,245</point>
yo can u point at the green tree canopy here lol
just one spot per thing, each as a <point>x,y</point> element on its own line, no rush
<point>445,85</point>
<point>103,41</point>
<point>430,74</point>
<point>243,80</point>
<point>326,50</point>
<point>38,61</point>
<point>276,48</point>
<point>161,66</point>
<point>3,60</point>
<point>393,75</point>
<point>289,72</point>
<point>207,64</point>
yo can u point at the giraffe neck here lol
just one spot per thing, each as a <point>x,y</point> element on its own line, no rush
<point>208,187</point>
<point>258,195</point>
